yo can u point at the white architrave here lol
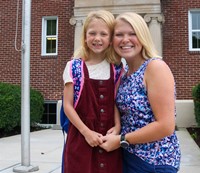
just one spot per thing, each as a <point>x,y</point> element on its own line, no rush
<point>155,22</point>
<point>78,22</point>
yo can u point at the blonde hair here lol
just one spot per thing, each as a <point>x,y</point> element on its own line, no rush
<point>109,19</point>
<point>142,32</point>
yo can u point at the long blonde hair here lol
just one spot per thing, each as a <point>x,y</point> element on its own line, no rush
<point>142,32</point>
<point>109,19</point>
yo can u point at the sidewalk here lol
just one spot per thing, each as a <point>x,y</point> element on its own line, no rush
<point>190,161</point>
<point>46,152</point>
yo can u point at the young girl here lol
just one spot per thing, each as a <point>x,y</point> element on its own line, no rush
<point>146,101</point>
<point>95,114</point>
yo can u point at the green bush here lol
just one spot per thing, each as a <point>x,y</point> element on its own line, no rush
<point>10,106</point>
<point>196,98</point>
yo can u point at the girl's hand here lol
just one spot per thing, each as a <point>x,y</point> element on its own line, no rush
<point>93,138</point>
<point>110,142</point>
<point>114,130</point>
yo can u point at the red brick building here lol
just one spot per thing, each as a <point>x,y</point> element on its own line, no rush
<point>184,63</point>
<point>45,70</point>
<point>50,51</point>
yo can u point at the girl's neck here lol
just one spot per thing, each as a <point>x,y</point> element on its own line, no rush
<point>94,59</point>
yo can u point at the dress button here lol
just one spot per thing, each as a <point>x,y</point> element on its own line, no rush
<point>100,151</point>
<point>101,96</point>
<point>101,124</point>
<point>100,82</point>
<point>102,110</point>
<point>101,165</point>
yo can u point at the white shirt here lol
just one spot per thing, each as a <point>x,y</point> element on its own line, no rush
<point>96,71</point>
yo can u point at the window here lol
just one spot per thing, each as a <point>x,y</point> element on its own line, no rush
<point>49,115</point>
<point>49,36</point>
<point>194,30</point>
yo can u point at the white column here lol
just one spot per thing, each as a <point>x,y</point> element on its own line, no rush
<point>154,22</point>
<point>78,31</point>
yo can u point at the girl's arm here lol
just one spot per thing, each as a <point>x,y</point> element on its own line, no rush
<point>93,138</point>
<point>116,129</point>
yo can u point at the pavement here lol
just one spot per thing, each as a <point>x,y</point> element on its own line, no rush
<point>46,152</point>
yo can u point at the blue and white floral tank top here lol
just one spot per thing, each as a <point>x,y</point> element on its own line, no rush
<point>136,113</point>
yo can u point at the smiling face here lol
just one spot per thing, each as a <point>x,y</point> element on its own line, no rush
<point>125,41</point>
<point>98,37</point>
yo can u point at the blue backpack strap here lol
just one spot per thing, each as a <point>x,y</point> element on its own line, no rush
<point>77,76</point>
<point>64,121</point>
<point>118,71</point>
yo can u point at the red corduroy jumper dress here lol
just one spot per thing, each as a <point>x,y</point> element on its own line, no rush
<point>96,110</point>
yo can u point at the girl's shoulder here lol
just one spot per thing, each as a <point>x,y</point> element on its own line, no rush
<point>76,60</point>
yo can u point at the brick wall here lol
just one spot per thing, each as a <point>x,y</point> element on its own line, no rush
<point>46,72</point>
<point>185,65</point>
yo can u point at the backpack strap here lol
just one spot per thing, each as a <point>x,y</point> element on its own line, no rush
<point>77,74</point>
<point>118,71</point>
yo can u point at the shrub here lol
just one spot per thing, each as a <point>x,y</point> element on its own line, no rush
<point>196,98</point>
<point>10,106</point>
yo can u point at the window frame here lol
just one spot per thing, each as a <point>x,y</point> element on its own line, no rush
<point>44,35</point>
<point>48,115</point>
<point>190,12</point>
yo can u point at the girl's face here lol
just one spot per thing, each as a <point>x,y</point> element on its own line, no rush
<point>125,41</point>
<point>98,36</point>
